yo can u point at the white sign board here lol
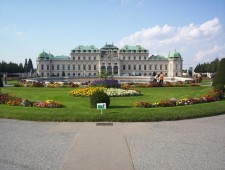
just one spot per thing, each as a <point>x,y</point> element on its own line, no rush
<point>101,106</point>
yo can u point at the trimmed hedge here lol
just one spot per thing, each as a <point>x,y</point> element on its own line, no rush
<point>99,97</point>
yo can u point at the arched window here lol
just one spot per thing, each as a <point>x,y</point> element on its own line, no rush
<point>115,70</point>
<point>109,70</point>
<point>103,68</point>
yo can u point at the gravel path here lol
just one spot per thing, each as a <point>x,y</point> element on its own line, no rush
<point>188,145</point>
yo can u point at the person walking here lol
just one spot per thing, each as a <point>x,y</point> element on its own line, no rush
<point>161,77</point>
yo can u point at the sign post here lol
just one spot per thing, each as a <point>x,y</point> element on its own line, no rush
<point>101,106</point>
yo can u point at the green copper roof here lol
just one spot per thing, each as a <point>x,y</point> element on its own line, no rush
<point>46,56</point>
<point>82,48</point>
<point>109,47</point>
<point>157,57</point>
<point>61,57</point>
<point>174,54</point>
<point>43,55</point>
<point>136,48</point>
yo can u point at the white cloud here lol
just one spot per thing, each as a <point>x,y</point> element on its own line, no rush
<point>204,54</point>
<point>194,42</point>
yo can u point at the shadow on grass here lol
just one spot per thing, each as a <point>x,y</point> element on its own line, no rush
<point>119,107</point>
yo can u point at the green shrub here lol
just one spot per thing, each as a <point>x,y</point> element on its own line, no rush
<point>99,97</point>
<point>1,83</point>
<point>219,80</point>
<point>220,87</point>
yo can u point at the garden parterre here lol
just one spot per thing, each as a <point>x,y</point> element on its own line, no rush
<point>213,95</point>
<point>8,99</point>
<point>112,92</point>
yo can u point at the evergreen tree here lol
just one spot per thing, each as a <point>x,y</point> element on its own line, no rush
<point>3,67</point>
<point>25,66</point>
<point>1,83</point>
<point>30,66</point>
<point>219,80</point>
<point>20,68</point>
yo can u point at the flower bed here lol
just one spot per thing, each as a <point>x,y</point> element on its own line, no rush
<point>8,99</point>
<point>212,96</point>
<point>112,92</point>
<point>115,92</point>
<point>87,91</point>
<point>105,83</point>
<point>56,84</point>
<point>166,84</point>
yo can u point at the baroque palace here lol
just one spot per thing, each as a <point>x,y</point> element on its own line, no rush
<point>86,61</point>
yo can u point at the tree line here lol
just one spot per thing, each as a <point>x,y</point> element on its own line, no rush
<point>16,68</point>
<point>207,67</point>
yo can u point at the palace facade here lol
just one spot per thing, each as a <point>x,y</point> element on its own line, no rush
<point>87,61</point>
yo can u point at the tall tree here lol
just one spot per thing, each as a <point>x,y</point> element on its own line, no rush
<point>20,69</point>
<point>25,66</point>
<point>30,66</point>
<point>219,80</point>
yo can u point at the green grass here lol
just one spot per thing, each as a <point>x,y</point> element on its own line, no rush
<point>12,82</point>
<point>121,109</point>
<point>206,81</point>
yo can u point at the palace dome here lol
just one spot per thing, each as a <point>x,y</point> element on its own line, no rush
<point>174,54</point>
<point>43,55</point>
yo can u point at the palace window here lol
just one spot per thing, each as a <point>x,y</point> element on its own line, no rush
<point>79,67</point>
<point>139,67</point>
<point>73,58</point>
<point>68,67</point>
<point>150,67</point>
<point>145,67</point>
<point>63,67</point>
<point>155,67</point>
<point>89,58</point>
<point>134,58</point>
<point>47,67</point>
<point>129,67</point>
<point>73,67</point>
<point>166,67</point>
<point>78,58</point>
<point>57,66</point>
<point>94,58</point>
<point>89,67</point>
<point>123,58</point>
<point>160,67</point>
<point>139,57</point>
<point>84,58</point>
<point>84,67</point>
<point>42,67</point>
<point>134,67</point>
<point>52,67</point>
<point>128,58</point>
<point>94,67</point>
<point>176,66</point>
<point>124,67</point>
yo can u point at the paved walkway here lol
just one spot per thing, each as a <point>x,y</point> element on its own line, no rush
<point>187,144</point>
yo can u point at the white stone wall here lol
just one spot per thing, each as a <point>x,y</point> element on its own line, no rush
<point>83,64</point>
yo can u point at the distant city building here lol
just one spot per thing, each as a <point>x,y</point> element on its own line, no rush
<point>190,68</point>
<point>90,61</point>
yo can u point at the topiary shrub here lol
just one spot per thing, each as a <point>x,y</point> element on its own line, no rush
<point>219,80</point>
<point>99,97</point>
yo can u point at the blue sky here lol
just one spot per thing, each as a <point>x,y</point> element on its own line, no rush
<point>195,28</point>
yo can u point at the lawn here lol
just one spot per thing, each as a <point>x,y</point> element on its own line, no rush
<point>121,109</point>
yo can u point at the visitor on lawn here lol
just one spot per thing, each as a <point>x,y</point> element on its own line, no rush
<point>161,77</point>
